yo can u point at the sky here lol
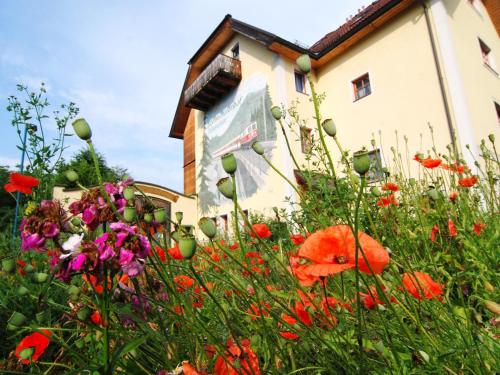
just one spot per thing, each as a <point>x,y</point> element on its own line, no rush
<point>123,62</point>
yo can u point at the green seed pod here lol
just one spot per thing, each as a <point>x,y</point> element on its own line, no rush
<point>276,112</point>
<point>129,214</point>
<point>160,215</point>
<point>83,313</point>
<point>22,291</point>
<point>225,186</point>
<point>229,163</point>
<point>29,268</point>
<point>40,277</point>
<point>433,193</point>
<point>187,246</point>
<point>208,227</point>
<point>179,216</point>
<point>175,236</point>
<point>82,129</point>
<point>26,353</point>
<point>9,265</point>
<point>257,147</point>
<point>148,217</point>
<point>329,127</point>
<point>17,319</point>
<point>304,63</point>
<point>361,162</point>
<point>129,193</point>
<point>491,137</point>
<point>76,221</point>
<point>74,290</point>
<point>71,175</point>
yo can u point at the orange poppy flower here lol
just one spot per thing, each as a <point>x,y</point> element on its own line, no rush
<point>333,249</point>
<point>183,282</point>
<point>262,231</point>
<point>434,231</point>
<point>419,282</point>
<point>452,230</point>
<point>37,341</point>
<point>187,369</point>
<point>387,201</point>
<point>175,252</point>
<point>254,311</point>
<point>454,167</point>
<point>453,196</point>
<point>430,163</point>
<point>297,239</point>
<point>21,183</point>
<point>467,182</point>
<point>96,318</point>
<point>372,299</point>
<point>288,334</point>
<point>237,361</point>
<point>161,254</point>
<point>390,186</point>
<point>478,228</point>
<point>299,271</point>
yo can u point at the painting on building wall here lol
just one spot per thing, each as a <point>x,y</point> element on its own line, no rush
<point>242,118</point>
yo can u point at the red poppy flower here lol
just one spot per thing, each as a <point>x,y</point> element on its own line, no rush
<point>333,249</point>
<point>434,231</point>
<point>38,341</point>
<point>96,318</point>
<point>467,182</point>
<point>478,228</point>
<point>288,334</point>
<point>299,271</point>
<point>302,313</point>
<point>254,311</point>
<point>372,299</point>
<point>237,361</point>
<point>234,246</point>
<point>297,239</point>
<point>175,253</point>
<point>453,196</point>
<point>419,282</point>
<point>187,369</point>
<point>430,163</point>
<point>161,254</point>
<point>454,167</point>
<point>390,186</point>
<point>262,231</point>
<point>21,183</point>
<point>183,282</point>
<point>452,230</point>
<point>387,201</point>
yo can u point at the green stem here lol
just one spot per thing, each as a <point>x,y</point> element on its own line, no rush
<point>356,258</point>
<point>288,146</point>
<point>236,223</point>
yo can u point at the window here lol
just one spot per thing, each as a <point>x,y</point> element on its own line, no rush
<point>224,222</point>
<point>487,55</point>
<point>362,87</point>
<point>497,107</point>
<point>305,139</point>
<point>236,51</point>
<point>376,171</point>
<point>300,82</point>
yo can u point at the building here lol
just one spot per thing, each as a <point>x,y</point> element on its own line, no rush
<point>396,66</point>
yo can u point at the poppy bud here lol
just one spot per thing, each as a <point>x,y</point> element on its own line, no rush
<point>179,216</point>
<point>229,163</point>
<point>493,307</point>
<point>160,215</point>
<point>26,353</point>
<point>225,186</point>
<point>8,265</point>
<point>276,112</point>
<point>148,217</point>
<point>257,147</point>
<point>361,162</point>
<point>128,193</point>
<point>208,227</point>
<point>329,127</point>
<point>40,277</point>
<point>490,288</point>
<point>22,291</point>
<point>83,313</point>
<point>187,246</point>
<point>304,63</point>
<point>76,221</point>
<point>71,175</point>
<point>29,268</point>
<point>17,319</point>
<point>491,137</point>
<point>129,214</point>
<point>82,129</point>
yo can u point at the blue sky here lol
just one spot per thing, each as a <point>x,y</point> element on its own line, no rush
<point>123,62</point>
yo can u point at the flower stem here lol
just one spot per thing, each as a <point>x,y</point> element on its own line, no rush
<point>356,259</point>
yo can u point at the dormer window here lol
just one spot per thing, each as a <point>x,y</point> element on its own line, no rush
<point>235,51</point>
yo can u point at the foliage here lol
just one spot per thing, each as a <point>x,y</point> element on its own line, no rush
<point>7,204</point>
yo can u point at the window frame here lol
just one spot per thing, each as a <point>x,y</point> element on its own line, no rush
<point>304,81</point>
<point>236,48</point>
<point>487,56</point>
<point>361,78</point>
<point>497,109</point>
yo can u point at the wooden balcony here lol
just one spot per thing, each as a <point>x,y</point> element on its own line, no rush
<point>217,79</point>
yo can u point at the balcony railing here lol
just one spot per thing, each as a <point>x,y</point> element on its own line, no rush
<point>216,80</point>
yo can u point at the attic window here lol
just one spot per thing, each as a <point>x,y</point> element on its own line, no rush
<point>235,51</point>
<point>300,82</point>
<point>362,87</point>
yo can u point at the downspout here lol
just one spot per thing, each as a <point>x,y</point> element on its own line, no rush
<point>441,81</point>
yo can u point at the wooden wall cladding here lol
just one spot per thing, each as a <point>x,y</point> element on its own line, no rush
<point>189,156</point>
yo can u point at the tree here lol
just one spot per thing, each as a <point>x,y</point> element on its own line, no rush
<point>82,163</point>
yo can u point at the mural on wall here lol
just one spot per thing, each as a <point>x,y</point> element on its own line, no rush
<point>242,118</point>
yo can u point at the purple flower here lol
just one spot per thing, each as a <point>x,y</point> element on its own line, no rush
<point>110,188</point>
<point>76,207</point>
<point>120,204</point>
<point>50,229</point>
<point>78,262</point>
<point>120,237</point>
<point>133,269</point>
<point>146,247</point>
<point>119,226</point>
<point>102,239</point>
<point>31,241</point>
<point>90,217</point>
<point>106,253</point>
<point>126,257</point>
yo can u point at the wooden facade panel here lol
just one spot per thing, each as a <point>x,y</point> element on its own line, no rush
<point>190,178</point>
<point>189,156</point>
<point>493,8</point>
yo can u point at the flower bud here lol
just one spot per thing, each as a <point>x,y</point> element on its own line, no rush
<point>128,193</point>
<point>179,216</point>
<point>493,307</point>
<point>329,127</point>
<point>83,313</point>
<point>257,147</point>
<point>490,288</point>
<point>208,227</point>
<point>148,217</point>
<point>17,319</point>
<point>361,162</point>
<point>40,277</point>
<point>304,63</point>
<point>229,163</point>
<point>225,186</point>
<point>187,246</point>
<point>8,265</point>
<point>491,137</point>
<point>160,215</point>
<point>22,291</point>
<point>82,129</point>
<point>71,175</point>
<point>129,214</point>
<point>276,112</point>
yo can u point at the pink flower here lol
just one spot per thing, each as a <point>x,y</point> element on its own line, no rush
<point>50,229</point>
<point>90,217</point>
<point>126,257</point>
<point>78,262</point>
<point>31,241</point>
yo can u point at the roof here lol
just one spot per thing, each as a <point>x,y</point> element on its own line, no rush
<point>321,52</point>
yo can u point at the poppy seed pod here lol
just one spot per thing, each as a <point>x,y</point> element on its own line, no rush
<point>71,175</point>
<point>208,227</point>
<point>276,112</point>
<point>257,147</point>
<point>26,353</point>
<point>40,277</point>
<point>29,268</point>
<point>304,63</point>
<point>229,163</point>
<point>22,291</point>
<point>160,215</point>
<point>128,193</point>
<point>82,129</point>
<point>491,137</point>
<point>179,216</point>
<point>83,313</point>
<point>187,246</point>
<point>17,319</point>
<point>225,186</point>
<point>329,127</point>
<point>148,217</point>
<point>8,265</point>
<point>175,236</point>
<point>129,214</point>
<point>361,162</point>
